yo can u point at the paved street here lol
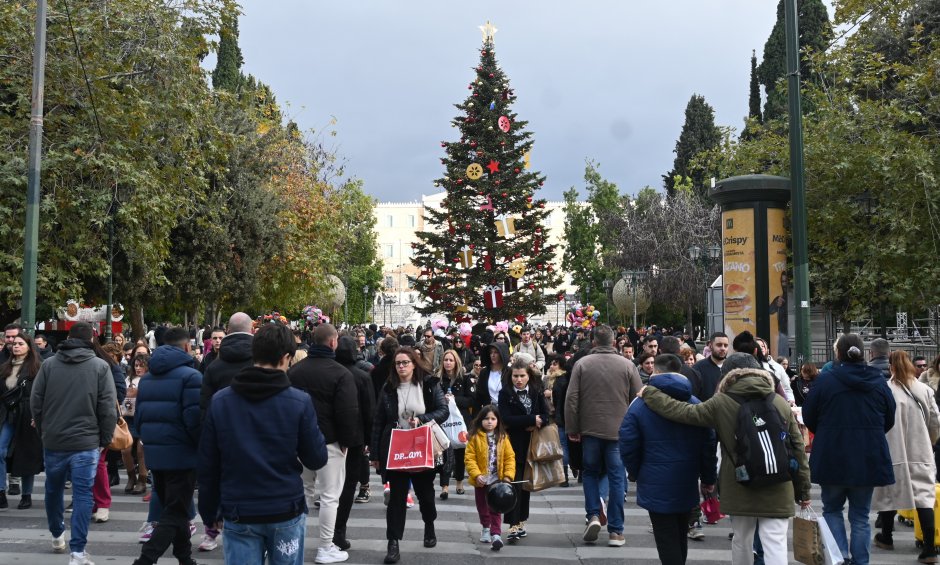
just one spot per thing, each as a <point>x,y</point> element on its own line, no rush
<point>554,534</point>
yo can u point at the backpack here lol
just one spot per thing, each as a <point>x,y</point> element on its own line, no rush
<point>762,452</point>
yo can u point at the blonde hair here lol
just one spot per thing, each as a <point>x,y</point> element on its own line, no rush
<point>458,365</point>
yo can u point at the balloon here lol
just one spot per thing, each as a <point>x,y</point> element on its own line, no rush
<point>597,314</point>
<point>500,497</point>
<point>464,329</point>
<point>578,313</point>
<point>585,324</point>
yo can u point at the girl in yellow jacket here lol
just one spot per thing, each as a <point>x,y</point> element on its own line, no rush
<point>489,458</point>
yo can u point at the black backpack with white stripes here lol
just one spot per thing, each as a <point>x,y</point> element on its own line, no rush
<point>763,451</point>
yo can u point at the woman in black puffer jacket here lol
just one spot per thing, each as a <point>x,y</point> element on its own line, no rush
<point>409,399</point>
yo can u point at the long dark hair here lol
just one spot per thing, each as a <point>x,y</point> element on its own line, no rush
<point>420,369</point>
<point>535,377</point>
<point>477,424</point>
<point>102,354</point>
<point>31,362</point>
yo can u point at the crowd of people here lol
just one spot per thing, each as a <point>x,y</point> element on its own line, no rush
<point>310,412</point>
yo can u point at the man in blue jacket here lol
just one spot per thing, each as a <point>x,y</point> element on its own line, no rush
<point>260,431</point>
<point>168,424</point>
<point>666,460</point>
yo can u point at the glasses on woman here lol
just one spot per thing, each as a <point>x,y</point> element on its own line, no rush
<point>402,363</point>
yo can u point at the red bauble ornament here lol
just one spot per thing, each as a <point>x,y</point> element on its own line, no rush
<point>518,255</point>
<point>472,246</point>
<point>540,265</point>
<point>538,230</point>
<point>505,194</point>
<point>541,204</point>
<point>480,68</point>
<point>541,183</point>
<point>479,153</point>
<point>473,144</point>
<point>491,75</point>
<point>532,286</point>
<point>496,183</point>
<point>459,181</point>
<point>447,270</point>
<point>443,144</point>
<point>456,259</point>
<point>502,143</point>
<point>468,227</point>
<point>528,199</point>
<point>483,52</point>
<point>476,93</point>
<point>516,170</point>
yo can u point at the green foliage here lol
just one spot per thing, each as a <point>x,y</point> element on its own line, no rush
<point>356,246</point>
<point>699,133</point>
<point>216,203</point>
<point>581,257</point>
<point>872,143</point>
<point>753,100</point>
<point>511,190</point>
<point>227,74</point>
<point>815,35</point>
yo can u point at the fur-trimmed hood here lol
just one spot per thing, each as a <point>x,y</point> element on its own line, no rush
<point>747,382</point>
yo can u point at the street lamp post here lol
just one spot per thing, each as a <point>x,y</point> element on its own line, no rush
<point>365,298</point>
<point>705,257</point>
<point>635,276</point>
<point>608,284</point>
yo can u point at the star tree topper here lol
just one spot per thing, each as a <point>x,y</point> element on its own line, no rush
<point>488,30</point>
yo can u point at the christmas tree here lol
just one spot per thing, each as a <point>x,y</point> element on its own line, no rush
<point>487,256</point>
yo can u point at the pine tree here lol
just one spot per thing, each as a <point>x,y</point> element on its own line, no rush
<point>815,33</point>
<point>753,100</point>
<point>699,133</point>
<point>488,246</point>
<point>227,73</point>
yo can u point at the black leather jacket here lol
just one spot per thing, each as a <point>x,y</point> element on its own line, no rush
<point>386,416</point>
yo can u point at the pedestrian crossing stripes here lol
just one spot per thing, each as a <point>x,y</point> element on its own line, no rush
<point>555,528</point>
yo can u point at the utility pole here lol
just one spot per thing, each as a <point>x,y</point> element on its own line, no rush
<point>797,187</point>
<point>31,239</point>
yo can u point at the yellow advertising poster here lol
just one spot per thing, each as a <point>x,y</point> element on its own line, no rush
<point>777,282</point>
<point>738,277</point>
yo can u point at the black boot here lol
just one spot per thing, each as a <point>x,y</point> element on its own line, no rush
<point>430,539</point>
<point>339,539</point>
<point>26,501</point>
<point>392,556</point>
<point>3,500</point>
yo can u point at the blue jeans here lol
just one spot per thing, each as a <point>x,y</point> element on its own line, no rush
<point>246,544</point>
<point>859,499</point>
<point>6,437</point>
<point>82,466</point>
<point>596,451</point>
<point>563,436</point>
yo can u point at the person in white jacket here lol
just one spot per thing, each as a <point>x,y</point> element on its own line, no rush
<point>776,369</point>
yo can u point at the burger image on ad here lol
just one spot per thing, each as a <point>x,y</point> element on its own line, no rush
<point>736,298</point>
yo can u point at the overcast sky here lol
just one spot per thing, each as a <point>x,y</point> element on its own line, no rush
<point>607,80</point>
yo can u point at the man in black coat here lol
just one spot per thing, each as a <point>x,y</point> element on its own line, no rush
<point>216,337</point>
<point>357,460</point>
<point>333,389</point>
<point>234,355</point>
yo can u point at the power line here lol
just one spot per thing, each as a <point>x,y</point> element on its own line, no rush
<point>81,61</point>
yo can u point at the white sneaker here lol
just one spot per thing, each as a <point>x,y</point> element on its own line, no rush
<point>331,554</point>
<point>58,544</point>
<point>192,528</point>
<point>485,537</point>
<point>409,502</point>
<point>81,559</point>
<point>208,543</point>
<point>146,531</point>
<point>102,515</point>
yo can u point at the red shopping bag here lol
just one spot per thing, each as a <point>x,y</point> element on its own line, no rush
<point>410,450</point>
<point>711,510</point>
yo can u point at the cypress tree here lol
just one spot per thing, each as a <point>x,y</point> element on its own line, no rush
<point>699,133</point>
<point>753,101</point>
<point>815,33</point>
<point>227,73</point>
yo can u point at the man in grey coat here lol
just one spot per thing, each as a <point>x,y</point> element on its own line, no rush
<point>74,407</point>
<point>603,383</point>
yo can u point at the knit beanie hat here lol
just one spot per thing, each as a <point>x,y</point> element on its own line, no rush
<point>739,360</point>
